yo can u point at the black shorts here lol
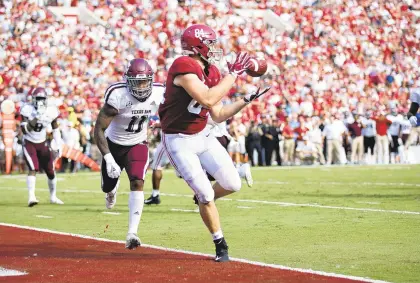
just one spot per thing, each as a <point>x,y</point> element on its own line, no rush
<point>369,142</point>
<point>394,145</point>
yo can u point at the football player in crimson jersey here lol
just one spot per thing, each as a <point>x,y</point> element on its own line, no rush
<point>121,136</point>
<point>36,118</point>
<point>194,89</point>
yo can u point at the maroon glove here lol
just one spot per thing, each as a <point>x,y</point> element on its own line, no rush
<point>240,65</point>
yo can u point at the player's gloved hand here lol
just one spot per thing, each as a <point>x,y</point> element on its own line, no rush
<point>255,95</point>
<point>413,121</point>
<point>57,148</point>
<point>400,142</point>
<point>240,65</point>
<point>112,168</point>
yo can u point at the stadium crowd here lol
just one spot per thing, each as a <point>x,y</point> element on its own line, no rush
<point>341,61</point>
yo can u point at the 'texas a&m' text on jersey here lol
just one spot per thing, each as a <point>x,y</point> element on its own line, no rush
<point>129,126</point>
<point>180,113</point>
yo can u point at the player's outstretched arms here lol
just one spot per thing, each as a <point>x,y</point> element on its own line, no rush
<point>220,112</point>
<point>105,117</point>
<point>208,97</point>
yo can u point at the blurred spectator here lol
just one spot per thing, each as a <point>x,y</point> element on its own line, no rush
<point>253,141</point>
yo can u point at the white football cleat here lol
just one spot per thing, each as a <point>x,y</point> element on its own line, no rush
<point>246,169</point>
<point>56,201</point>
<point>111,199</point>
<point>132,241</point>
<point>32,202</point>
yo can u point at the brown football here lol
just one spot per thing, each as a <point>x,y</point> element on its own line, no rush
<point>257,67</point>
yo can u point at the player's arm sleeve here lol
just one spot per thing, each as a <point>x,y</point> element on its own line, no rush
<point>113,96</point>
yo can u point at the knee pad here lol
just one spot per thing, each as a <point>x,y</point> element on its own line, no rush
<point>137,185</point>
<point>229,179</point>
<point>202,187</point>
<point>50,174</point>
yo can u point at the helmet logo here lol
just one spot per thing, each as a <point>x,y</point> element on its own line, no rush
<point>199,33</point>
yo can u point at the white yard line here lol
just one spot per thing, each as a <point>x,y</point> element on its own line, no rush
<point>252,201</point>
<point>244,207</point>
<point>282,267</point>
<point>340,183</point>
<point>10,272</point>
<point>111,213</point>
<point>185,210</point>
<point>43,216</point>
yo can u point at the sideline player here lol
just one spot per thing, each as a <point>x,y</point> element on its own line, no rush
<point>414,107</point>
<point>36,118</point>
<point>194,89</point>
<point>160,161</point>
<point>121,135</point>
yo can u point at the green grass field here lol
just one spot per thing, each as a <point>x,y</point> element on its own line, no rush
<point>361,221</point>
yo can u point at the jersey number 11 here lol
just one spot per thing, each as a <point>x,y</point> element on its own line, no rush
<point>132,123</point>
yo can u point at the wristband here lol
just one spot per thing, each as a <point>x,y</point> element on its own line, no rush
<point>109,158</point>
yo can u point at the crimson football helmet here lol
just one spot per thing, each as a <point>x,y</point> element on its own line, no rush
<point>39,98</point>
<point>201,40</point>
<point>139,78</point>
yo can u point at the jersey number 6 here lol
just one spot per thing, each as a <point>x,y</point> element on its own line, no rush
<point>133,121</point>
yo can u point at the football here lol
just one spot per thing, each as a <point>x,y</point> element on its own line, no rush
<point>257,67</point>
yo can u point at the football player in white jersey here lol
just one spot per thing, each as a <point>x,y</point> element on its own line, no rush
<point>405,133</point>
<point>414,107</point>
<point>394,132</point>
<point>36,118</point>
<point>160,160</point>
<point>369,134</point>
<point>121,135</point>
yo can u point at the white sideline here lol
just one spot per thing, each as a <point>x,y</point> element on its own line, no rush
<point>252,201</point>
<point>282,267</point>
<point>10,272</point>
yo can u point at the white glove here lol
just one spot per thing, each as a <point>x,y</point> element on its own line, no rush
<point>56,148</point>
<point>400,141</point>
<point>112,168</point>
<point>413,121</point>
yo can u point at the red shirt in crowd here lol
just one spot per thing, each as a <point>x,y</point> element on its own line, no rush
<point>287,132</point>
<point>382,124</point>
<point>301,132</point>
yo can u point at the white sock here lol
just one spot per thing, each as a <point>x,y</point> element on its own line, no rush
<point>155,193</point>
<point>30,182</point>
<point>217,235</point>
<point>135,208</point>
<point>52,185</point>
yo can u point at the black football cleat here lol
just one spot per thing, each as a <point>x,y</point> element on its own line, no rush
<point>152,200</point>
<point>221,250</point>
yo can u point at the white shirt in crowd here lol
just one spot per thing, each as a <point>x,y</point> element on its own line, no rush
<point>369,129</point>
<point>315,135</point>
<point>71,137</point>
<point>309,148</point>
<point>335,130</point>
<point>394,129</point>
